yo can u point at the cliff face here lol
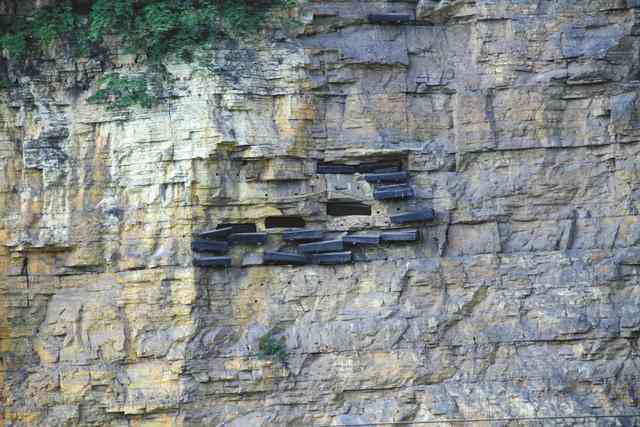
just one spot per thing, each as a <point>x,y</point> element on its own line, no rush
<point>517,121</point>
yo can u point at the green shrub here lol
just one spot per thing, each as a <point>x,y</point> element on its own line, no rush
<point>155,28</point>
<point>109,17</point>
<point>271,348</point>
<point>15,44</point>
<point>51,23</point>
<point>122,92</point>
<point>36,33</point>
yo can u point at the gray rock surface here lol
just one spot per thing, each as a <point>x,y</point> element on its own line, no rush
<point>518,122</point>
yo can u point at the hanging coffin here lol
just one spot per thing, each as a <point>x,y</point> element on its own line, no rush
<point>391,192</point>
<point>302,235</point>
<point>325,246</point>
<point>421,215</point>
<point>213,261</point>
<point>283,258</point>
<point>249,238</point>
<point>400,236</point>
<point>332,258</point>
<point>209,246</point>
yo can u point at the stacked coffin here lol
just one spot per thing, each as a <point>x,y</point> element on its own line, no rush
<point>312,248</point>
<point>390,183</point>
<point>213,243</point>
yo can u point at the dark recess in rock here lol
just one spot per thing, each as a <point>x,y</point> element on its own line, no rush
<point>332,258</point>
<point>249,238</point>
<point>388,18</point>
<point>337,208</point>
<point>425,214</point>
<point>283,258</point>
<point>302,235</point>
<point>325,246</point>
<point>335,168</point>
<point>209,246</point>
<point>214,261</point>
<point>284,222</point>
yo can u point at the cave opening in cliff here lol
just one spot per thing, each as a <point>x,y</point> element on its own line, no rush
<point>342,208</point>
<point>284,222</point>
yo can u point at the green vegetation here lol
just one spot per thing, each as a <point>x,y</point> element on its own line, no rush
<point>119,92</point>
<point>33,35</point>
<point>272,348</point>
<point>158,29</point>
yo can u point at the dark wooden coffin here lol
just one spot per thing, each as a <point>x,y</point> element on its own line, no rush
<point>302,235</point>
<point>363,239</point>
<point>209,246</point>
<point>422,215</point>
<point>213,261</point>
<point>387,177</point>
<point>283,258</point>
<point>324,246</point>
<point>391,192</point>
<point>219,233</point>
<point>411,235</point>
<point>332,258</point>
<point>239,227</point>
<point>249,238</point>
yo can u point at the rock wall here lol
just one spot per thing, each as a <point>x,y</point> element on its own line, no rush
<point>518,122</point>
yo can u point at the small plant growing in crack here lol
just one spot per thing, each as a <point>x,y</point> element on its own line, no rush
<point>272,348</point>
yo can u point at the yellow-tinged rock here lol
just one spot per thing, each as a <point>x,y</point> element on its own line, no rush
<point>74,383</point>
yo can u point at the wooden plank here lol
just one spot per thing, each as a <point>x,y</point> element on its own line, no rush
<point>249,238</point>
<point>377,178</point>
<point>270,257</point>
<point>324,246</point>
<point>422,215</point>
<point>209,246</point>
<point>213,261</point>
<point>302,235</point>
<point>362,239</point>
<point>332,258</point>
<point>410,235</point>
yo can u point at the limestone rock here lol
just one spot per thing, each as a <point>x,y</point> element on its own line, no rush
<point>517,122</point>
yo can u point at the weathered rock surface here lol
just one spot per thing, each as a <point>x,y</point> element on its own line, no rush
<point>518,122</point>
